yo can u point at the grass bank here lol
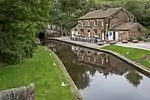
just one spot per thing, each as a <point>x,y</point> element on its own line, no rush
<point>40,70</point>
<point>138,55</point>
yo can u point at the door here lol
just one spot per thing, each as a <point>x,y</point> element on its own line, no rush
<point>110,35</point>
<point>103,36</point>
<point>116,35</point>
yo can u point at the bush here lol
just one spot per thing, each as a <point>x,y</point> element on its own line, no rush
<point>19,22</point>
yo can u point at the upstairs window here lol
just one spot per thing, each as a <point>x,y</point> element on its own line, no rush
<point>95,22</point>
<point>88,23</point>
<point>82,23</point>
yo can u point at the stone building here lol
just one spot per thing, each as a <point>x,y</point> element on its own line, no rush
<point>108,24</point>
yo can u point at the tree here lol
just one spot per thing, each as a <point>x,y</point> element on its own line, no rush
<point>134,77</point>
<point>19,21</point>
<point>65,12</point>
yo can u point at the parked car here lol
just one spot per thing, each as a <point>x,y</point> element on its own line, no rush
<point>124,41</point>
<point>135,41</point>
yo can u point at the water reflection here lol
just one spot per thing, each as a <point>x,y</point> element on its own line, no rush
<point>101,76</point>
<point>134,77</point>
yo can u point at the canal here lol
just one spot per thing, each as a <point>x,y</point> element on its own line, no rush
<point>101,76</point>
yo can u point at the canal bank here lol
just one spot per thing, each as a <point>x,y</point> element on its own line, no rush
<point>74,89</point>
<point>138,66</point>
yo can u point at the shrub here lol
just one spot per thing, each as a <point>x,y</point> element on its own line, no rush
<point>19,22</point>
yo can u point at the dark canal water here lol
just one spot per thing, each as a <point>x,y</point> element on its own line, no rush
<point>100,76</point>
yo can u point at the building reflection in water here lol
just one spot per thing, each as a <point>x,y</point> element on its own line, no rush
<point>108,62</point>
<point>83,63</point>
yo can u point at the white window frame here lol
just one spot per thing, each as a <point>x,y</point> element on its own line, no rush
<point>82,23</point>
<point>102,22</point>
<point>95,22</point>
<point>88,23</point>
<point>107,24</point>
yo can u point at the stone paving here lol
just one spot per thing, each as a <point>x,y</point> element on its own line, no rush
<point>94,45</point>
<point>141,45</point>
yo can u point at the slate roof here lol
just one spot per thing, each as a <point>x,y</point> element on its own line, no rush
<point>100,13</point>
<point>125,26</point>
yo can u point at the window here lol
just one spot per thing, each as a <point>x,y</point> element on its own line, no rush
<point>95,22</point>
<point>82,32</point>
<point>82,23</point>
<point>88,23</point>
<point>107,24</point>
<point>102,22</point>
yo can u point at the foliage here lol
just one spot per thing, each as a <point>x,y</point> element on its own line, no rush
<point>19,21</point>
<point>64,13</point>
<point>134,77</point>
<point>40,71</point>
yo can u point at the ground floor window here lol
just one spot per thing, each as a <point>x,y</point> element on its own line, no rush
<point>89,33</point>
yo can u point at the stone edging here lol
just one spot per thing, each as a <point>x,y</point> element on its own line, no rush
<point>74,89</point>
<point>21,93</point>
<point>137,66</point>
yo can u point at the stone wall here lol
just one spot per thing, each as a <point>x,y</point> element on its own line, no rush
<point>21,93</point>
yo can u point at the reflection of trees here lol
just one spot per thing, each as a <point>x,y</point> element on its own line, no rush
<point>134,77</point>
<point>69,59</point>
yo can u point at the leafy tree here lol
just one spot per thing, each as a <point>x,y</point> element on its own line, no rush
<point>19,21</point>
<point>135,7</point>
<point>65,12</point>
<point>134,77</point>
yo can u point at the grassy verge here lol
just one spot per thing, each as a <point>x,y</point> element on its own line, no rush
<point>40,70</point>
<point>138,55</point>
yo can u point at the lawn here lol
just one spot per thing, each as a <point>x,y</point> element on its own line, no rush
<point>40,70</point>
<point>138,55</point>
